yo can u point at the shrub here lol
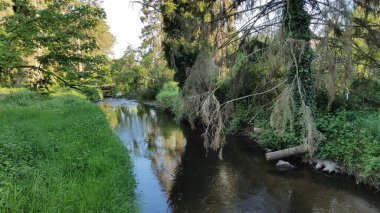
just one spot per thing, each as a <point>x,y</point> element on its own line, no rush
<point>271,140</point>
<point>124,89</point>
<point>148,93</point>
<point>353,139</point>
<point>169,98</point>
<point>93,93</point>
<point>241,118</point>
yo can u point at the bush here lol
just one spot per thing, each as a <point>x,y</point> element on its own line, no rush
<point>241,118</point>
<point>93,93</point>
<point>353,139</point>
<point>148,93</point>
<point>124,89</point>
<point>169,98</point>
<point>271,140</point>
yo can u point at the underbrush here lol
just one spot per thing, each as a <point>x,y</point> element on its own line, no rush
<point>353,139</point>
<point>58,154</point>
<point>170,99</point>
<point>92,93</point>
<point>244,117</point>
<point>351,136</point>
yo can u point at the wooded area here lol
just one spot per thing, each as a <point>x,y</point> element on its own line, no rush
<point>305,71</point>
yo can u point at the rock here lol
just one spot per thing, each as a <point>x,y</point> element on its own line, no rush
<point>267,150</point>
<point>284,165</point>
<point>119,94</point>
<point>319,166</point>
<point>327,166</point>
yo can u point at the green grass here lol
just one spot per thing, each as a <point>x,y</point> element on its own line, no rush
<point>58,154</point>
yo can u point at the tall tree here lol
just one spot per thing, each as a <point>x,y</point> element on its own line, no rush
<point>152,56</point>
<point>50,34</point>
<point>295,29</point>
<point>190,26</point>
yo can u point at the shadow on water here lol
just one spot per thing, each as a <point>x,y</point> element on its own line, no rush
<point>174,174</point>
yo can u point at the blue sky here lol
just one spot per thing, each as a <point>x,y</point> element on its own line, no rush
<point>123,17</point>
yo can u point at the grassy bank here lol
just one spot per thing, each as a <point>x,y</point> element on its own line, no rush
<point>58,154</point>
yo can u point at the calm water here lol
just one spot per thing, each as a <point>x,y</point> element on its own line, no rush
<point>175,175</point>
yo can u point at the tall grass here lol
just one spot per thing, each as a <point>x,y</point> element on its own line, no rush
<point>58,154</point>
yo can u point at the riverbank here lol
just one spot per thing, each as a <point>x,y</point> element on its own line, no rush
<point>352,141</point>
<point>174,172</point>
<point>58,154</point>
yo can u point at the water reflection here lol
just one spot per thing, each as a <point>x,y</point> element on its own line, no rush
<point>174,174</point>
<point>160,141</point>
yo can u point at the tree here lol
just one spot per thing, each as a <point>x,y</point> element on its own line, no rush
<point>152,56</point>
<point>49,43</point>
<point>126,72</point>
<point>295,29</point>
<point>146,65</point>
<point>104,39</point>
<point>189,27</point>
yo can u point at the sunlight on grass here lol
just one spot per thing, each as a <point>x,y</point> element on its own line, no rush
<point>58,154</point>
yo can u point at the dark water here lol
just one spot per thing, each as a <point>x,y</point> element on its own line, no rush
<point>175,175</point>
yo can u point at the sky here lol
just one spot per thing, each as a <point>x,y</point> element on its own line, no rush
<point>123,17</point>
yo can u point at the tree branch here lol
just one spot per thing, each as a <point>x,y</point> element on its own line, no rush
<point>50,73</point>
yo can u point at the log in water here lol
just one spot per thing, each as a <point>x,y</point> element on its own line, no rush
<point>280,154</point>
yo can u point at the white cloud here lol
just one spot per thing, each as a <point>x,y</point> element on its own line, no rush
<point>123,17</point>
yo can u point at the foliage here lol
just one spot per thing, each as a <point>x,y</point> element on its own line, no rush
<point>169,97</point>
<point>141,72</point>
<point>293,110</point>
<point>242,118</point>
<point>353,139</point>
<point>20,97</point>
<point>365,91</point>
<point>93,93</point>
<point>191,27</point>
<point>42,43</point>
<point>201,104</point>
<point>125,72</point>
<point>272,141</point>
<point>58,154</point>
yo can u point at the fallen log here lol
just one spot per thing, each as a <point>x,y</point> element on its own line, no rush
<point>286,152</point>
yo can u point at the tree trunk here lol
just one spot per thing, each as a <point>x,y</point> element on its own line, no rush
<point>286,152</point>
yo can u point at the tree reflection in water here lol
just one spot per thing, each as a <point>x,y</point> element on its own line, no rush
<point>160,140</point>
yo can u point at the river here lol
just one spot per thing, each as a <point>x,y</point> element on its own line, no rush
<point>175,174</point>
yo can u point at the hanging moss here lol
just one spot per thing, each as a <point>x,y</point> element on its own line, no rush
<point>300,77</point>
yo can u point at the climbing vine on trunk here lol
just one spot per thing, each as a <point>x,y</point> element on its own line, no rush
<point>293,110</point>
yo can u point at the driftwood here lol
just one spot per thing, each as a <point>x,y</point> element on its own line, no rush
<point>286,152</point>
